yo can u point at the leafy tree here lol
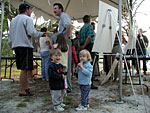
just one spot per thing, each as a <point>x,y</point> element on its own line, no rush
<point>9,13</point>
<point>129,13</point>
<point>5,47</point>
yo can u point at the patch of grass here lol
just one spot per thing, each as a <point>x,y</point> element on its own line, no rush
<point>14,72</point>
<point>22,105</point>
<point>68,98</point>
<point>46,99</point>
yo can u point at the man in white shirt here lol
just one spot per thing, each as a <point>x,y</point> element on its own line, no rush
<point>21,31</point>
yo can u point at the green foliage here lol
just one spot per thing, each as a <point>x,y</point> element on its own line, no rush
<point>14,73</point>
<point>9,13</point>
<point>21,104</point>
<point>6,50</point>
<point>68,98</point>
<point>47,99</point>
<point>51,26</point>
<point>129,13</point>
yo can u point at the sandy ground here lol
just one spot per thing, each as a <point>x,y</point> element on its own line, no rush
<point>103,100</point>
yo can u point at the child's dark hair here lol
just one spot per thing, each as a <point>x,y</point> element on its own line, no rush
<point>43,29</point>
<point>62,43</point>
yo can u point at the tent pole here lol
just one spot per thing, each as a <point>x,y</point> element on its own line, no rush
<point>1,32</point>
<point>120,35</point>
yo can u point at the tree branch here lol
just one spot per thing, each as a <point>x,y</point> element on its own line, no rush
<point>138,7</point>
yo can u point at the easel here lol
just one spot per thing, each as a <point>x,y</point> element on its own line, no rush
<point>99,41</point>
<point>112,22</point>
<point>140,78</point>
<point>114,64</point>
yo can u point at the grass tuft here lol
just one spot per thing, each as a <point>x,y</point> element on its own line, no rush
<point>68,98</point>
<point>22,105</point>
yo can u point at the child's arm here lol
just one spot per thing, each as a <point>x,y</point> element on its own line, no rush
<point>88,70</point>
<point>54,74</point>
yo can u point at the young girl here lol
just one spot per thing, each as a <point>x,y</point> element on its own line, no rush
<point>61,44</point>
<point>44,51</point>
<point>56,79</point>
<point>84,78</point>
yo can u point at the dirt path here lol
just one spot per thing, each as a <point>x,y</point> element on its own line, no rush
<point>102,100</point>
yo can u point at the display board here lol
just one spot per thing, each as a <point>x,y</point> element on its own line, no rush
<point>106,29</point>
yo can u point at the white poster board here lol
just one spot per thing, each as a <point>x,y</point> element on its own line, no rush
<point>132,39</point>
<point>106,29</point>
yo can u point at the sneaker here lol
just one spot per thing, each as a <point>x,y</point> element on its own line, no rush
<point>80,108</point>
<point>63,105</point>
<point>68,91</point>
<point>87,105</point>
<point>58,108</point>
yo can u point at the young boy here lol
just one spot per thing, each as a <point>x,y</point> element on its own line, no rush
<point>56,73</point>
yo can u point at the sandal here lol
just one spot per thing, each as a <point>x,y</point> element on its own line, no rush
<point>28,93</point>
<point>20,94</point>
<point>31,81</point>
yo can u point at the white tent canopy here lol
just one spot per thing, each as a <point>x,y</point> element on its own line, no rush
<point>76,9</point>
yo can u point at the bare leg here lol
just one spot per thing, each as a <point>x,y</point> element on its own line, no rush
<point>23,81</point>
<point>30,76</point>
